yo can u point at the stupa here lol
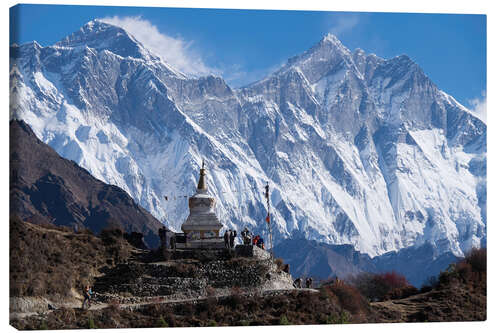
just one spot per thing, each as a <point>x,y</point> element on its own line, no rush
<point>202,225</point>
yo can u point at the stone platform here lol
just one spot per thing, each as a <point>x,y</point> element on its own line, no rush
<point>251,251</point>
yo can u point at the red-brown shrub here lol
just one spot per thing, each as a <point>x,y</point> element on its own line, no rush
<point>379,286</point>
<point>348,297</point>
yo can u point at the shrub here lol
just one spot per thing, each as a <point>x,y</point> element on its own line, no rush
<point>470,269</point>
<point>463,270</point>
<point>343,318</point>
<point>212,323</point>
<point>43,325</point>
<point>476,258</point>
<point>162,322</point>
<point>91,323</point>
<point>381,286</point>
<point>348,297</point>
<point>244,322</point>
<point>284,320</point>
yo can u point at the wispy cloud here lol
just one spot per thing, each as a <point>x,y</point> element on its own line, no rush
<point>478,106</point>
<point>340,23</point>
<point>174,50</point>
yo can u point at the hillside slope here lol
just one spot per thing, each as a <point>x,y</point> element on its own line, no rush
<point>45,187</point>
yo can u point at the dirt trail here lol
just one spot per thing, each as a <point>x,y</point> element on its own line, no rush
<point>201,298</point>
<point>100,306</point>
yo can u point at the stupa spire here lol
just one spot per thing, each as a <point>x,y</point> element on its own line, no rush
<point>201,182</point>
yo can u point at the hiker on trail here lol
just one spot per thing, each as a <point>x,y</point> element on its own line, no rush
<point>87,294</point>
<point>232,235</point>
<point>297,283</point>
<point>226,239</point>
<point>162,232</point>
<point>255,240</point>
<point>309,281</point>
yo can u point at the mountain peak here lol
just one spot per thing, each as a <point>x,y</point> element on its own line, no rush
<point>330,38</point>
<point>100,35</point>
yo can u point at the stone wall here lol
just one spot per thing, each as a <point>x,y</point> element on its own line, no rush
<point>251,251</point>
<point>187,278</point>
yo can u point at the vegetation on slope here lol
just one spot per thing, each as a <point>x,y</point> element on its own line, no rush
<point>49,260</point>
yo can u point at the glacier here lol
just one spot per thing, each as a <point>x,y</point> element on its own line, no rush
<point>357,149</point>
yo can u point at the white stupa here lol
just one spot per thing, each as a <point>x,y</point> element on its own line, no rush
<point>202,223</point>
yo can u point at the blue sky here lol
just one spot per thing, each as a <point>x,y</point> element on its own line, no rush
<point>244,45</point>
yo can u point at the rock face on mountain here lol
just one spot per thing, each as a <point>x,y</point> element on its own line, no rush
<point>45,187</point>
<point>357,149</point>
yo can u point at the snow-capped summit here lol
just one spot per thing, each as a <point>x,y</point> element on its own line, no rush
<point>99,35</point>
<point>357,149</point>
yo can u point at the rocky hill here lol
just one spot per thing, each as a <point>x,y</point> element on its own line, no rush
<point>46,188</point>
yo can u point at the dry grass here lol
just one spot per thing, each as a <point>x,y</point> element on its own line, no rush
<point>51,261</point>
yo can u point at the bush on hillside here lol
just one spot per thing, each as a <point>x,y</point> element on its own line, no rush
<point>347,296</point>
<point>383,286</point>
<point>469,270</point>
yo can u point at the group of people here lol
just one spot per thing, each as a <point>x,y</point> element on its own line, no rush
<point>259,241</point>
<point>298,283</point>
<point>249,239</point>
<point>229,237</point>
<point>246,235</point>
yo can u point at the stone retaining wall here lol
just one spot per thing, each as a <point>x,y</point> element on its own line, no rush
<point>192,278</point>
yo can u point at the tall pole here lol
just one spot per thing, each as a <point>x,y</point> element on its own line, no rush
<point>268,219</point>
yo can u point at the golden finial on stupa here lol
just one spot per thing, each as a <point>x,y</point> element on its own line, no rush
<point>201,181</point>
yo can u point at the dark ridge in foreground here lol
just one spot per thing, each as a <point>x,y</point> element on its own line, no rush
<point>46,188</point>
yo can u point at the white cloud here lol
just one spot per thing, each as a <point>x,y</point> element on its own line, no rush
<point>342,22</point>
<point>478,106</point>
<point>175,51</point>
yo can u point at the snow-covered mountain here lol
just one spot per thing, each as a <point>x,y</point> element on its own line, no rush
<point>357,149</point>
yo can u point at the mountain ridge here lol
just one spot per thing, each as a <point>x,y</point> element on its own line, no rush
<point>47,188</point>
<point>367,159</point>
